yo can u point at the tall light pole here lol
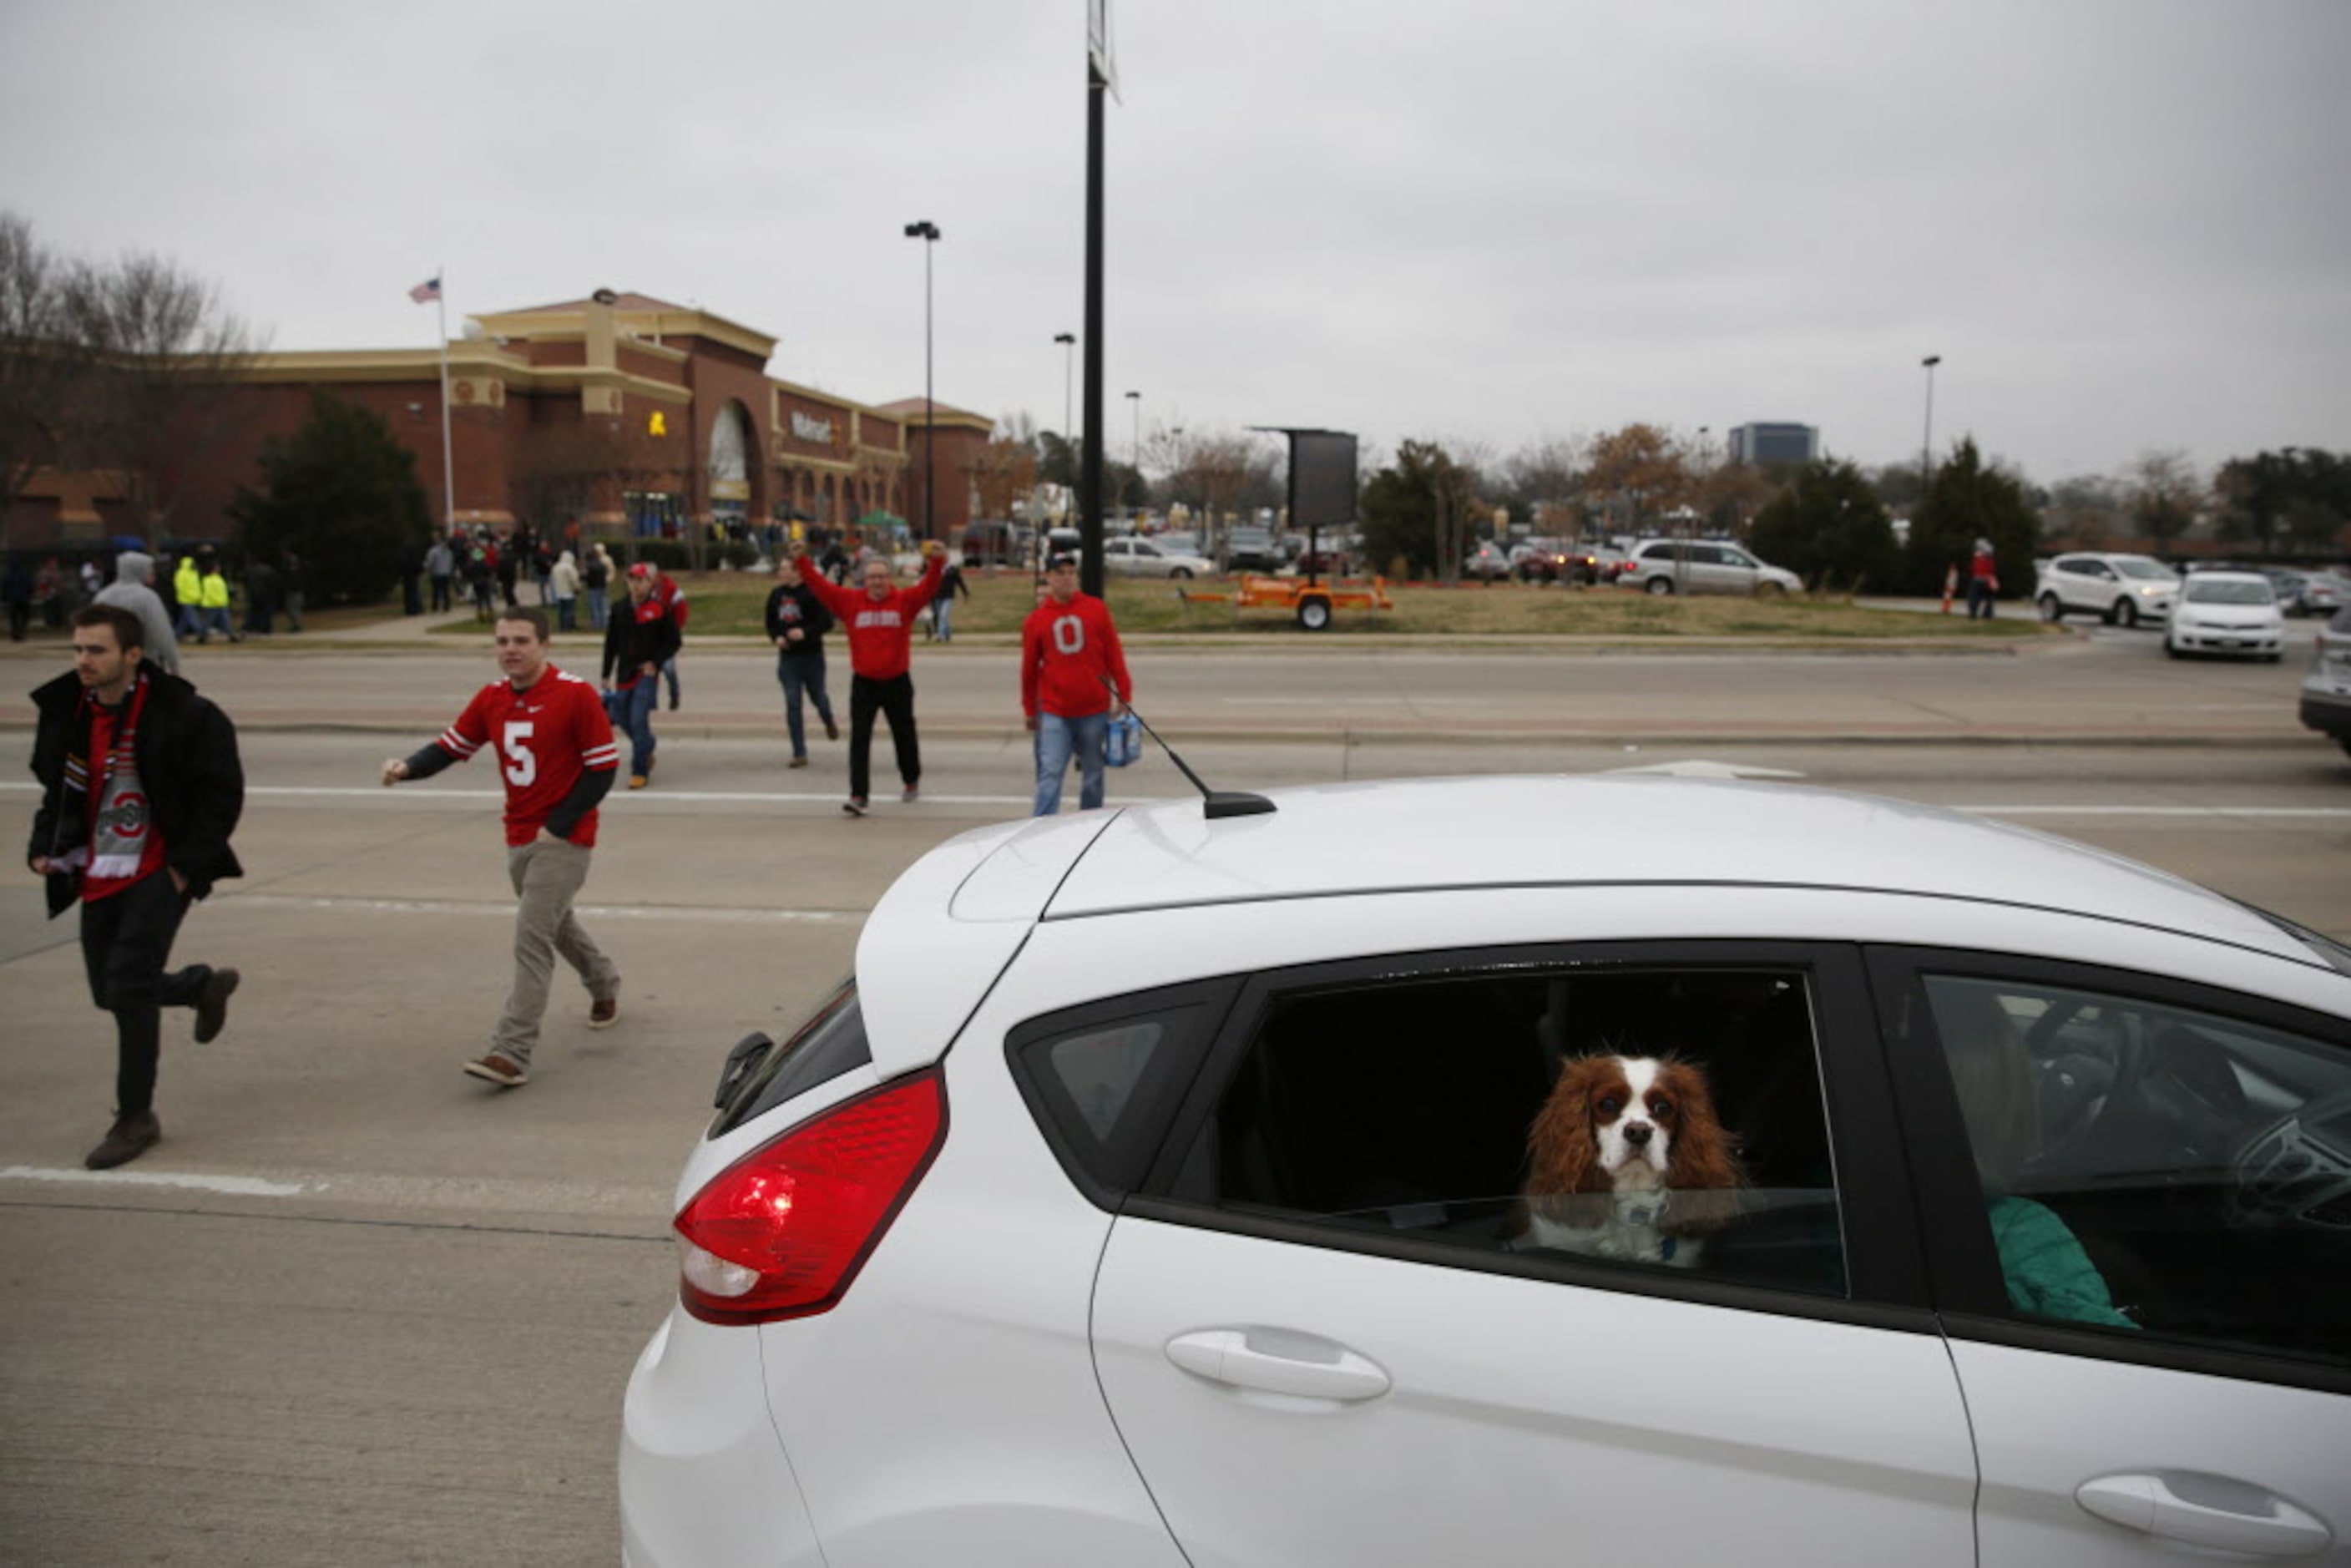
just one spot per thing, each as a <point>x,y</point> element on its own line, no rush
<point>1069,341</point>
<point>1926,444</point>
<point>1134,404</point>
<point>928,233</point>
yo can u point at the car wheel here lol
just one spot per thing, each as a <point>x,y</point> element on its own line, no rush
<point>2052,608</point>
<point>1182,574</point>
<point>2125,613</point>
<point>2345,742</point>
<point>1659,586</point>
<point>2169,646</point>
<point>1770,590</point>
<point>1314,614</point>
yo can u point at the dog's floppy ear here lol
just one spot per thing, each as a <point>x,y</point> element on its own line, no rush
<point>1703,1173</point>
<point>1564,1157</point>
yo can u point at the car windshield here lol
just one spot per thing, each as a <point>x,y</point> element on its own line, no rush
<point>2139,566</point>
<point>2225,591</point>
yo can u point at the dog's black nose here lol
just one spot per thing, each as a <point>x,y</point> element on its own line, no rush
<point>1637,1133</point>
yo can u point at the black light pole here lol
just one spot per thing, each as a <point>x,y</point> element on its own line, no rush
<point>928,233</point>
<point>1926,444</point>
<point>1135,436</point>
<point>1069,341</point>
<point>1089,483</point>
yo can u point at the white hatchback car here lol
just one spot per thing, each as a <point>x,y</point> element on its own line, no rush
<point>2227,612</point>
<point>2120,589</point>
<point>1147,557</point>
<point>1153,1194</point>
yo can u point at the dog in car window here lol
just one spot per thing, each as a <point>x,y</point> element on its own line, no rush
<point>1627,1159</point>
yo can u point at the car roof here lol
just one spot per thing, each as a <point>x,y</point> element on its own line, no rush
<point>2262,578</point>
<point>1414,834</point>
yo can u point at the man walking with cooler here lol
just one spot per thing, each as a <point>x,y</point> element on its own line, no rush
<point>141,789</point>
<point>555,752</point>
<point>1069,660</point>
<point>880,621</point>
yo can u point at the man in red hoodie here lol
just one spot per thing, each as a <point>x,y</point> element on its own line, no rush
<point>880,620</point>
<point>1069,660</point>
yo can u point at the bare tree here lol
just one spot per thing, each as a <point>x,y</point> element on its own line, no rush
<point>164,357</point>
<point>1638,474</point>
<point>1222,471</point>
<point>2165,494</point>
<point>1005,471</point>
<point>1542,480</point>
<point>39,365</point>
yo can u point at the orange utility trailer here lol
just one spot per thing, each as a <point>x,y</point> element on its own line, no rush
<point>1310,598</point>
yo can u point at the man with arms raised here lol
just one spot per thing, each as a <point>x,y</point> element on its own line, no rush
<point>555,750</point>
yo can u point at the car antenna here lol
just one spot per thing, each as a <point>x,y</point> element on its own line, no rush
<point>1217,803</point>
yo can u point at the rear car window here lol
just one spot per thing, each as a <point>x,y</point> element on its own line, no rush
<point>760,1074</point>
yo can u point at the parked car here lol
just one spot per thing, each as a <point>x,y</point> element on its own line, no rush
<point>1111,1212</point>
<point>2123,590</point>
<point>2304,593</point>
<point>2226,612</point>
<point>1146,558</point>
<point>993,542</point>
<point>1254,550</point>
<point>1554,561</point>
<point>1486,559</point>
<point>1702,566</point>
<point>1060,541</point>
<point>2326,689</point>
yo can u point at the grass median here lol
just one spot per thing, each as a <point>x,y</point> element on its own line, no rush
<point>735,603</point>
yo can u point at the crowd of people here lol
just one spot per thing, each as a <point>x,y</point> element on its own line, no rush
<point>142,787</point>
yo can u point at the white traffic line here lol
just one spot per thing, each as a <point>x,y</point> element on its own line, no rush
<point>2324,812</point>
<point>230,1186</point>
<point>504,911</point>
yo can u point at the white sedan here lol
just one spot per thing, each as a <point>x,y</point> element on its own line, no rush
<point>2227,612</point>
<point>1791,1176</point>
<point>1143,558</point>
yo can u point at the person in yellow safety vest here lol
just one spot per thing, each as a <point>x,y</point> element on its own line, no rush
<point>213,597</point>
<point>188,593</point>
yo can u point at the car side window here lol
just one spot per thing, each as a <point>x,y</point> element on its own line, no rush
<point>1649,1118</point>
<point>2156,1169</point>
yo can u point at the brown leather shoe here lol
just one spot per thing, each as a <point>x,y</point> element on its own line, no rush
<point>212,1004</point>
<point>603,1012</point>
<point>500,1069</point>
<point>129,1138</point>
<point>832,730</point>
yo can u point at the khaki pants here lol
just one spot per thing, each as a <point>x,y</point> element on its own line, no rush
<point>547,874</point>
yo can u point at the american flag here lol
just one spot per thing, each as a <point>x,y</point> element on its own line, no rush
<point>426,292</point>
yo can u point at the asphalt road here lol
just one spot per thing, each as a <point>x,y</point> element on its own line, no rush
<point>359,1308</point>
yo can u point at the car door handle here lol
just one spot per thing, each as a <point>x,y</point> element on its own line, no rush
<point>1278,1361</point>
<point>2234,1517</point>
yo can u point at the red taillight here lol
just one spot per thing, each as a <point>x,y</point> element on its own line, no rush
<point>782,1231</point>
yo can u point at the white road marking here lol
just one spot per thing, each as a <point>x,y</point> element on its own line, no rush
<point>231,1185</point>
<point>504,911</point>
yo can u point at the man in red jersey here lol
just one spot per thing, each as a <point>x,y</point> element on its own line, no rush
<point>555,750</point>
<point>880,621</point>
<point>1069,650</point>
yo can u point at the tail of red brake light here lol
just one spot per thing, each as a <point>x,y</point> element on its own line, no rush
<point>782,1231</point>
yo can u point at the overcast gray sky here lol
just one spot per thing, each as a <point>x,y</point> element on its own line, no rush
<point>2121,223</point>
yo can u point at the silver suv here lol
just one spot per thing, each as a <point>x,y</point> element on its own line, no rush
<point>2326,689</point>
<point>2122,590</point>
<point>1703,566</point>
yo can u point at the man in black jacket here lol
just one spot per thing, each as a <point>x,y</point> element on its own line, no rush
<point>640,637</point>
<point>797,622</point>
<point>141,789</point>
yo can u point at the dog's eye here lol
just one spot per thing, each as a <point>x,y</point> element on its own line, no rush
<point>1610,1104</point>
<point>1661,1109</point>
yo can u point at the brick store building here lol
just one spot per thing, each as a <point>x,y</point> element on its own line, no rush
<point>624,415</point>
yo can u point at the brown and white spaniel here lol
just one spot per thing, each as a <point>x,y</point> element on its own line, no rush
<point>1627,1159</point>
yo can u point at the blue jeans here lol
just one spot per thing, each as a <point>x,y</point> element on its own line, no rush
<point>1058,739</point>
<point>802,673</point>
<point>630,708</point>
<point>940,609</point>
<point>596,608</point>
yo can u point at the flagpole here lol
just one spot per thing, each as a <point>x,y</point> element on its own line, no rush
<point>448,469</point>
